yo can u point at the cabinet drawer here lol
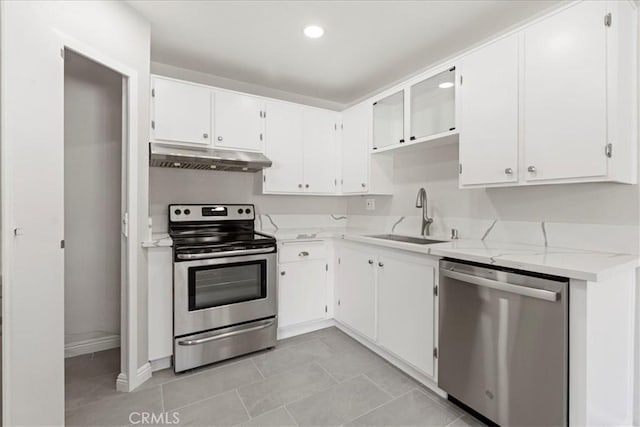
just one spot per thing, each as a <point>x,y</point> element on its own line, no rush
<point>293,252</point>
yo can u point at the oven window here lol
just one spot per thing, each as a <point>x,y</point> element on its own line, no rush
<point>216,285</point>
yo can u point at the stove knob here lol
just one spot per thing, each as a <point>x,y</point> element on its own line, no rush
<point>247,211</point>
<point>187,211</point>
<point>240,210</point>
<point>177,212</point>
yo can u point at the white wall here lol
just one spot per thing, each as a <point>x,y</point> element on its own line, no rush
<point>191,186</point>
<point>436,169</point>
<point>32,180</point>
<point>223,82</point>
<point>92,199</point>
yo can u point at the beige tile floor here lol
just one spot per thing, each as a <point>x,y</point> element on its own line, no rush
<point>324,378</point>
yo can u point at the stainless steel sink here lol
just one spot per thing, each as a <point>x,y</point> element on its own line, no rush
<point>406,239</point>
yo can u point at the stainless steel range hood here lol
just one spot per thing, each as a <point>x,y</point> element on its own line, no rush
<point>181,157</point>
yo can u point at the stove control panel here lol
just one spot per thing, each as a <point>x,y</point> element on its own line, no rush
<point>210,213</point>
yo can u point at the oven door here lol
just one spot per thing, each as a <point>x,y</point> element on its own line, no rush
<point>219,292</point>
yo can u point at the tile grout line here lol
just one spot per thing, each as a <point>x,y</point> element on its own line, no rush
<point>393,399</point>
<point>243,405</point>
<point>328,373</point>
<point>451,423</point>
<point>378,386</point>
<point>257,368</point>
<point>442,405</point>
<point>162,397</point>
<point>290,414</point>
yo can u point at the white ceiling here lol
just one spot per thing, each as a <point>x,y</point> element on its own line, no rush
<point>367,44</point>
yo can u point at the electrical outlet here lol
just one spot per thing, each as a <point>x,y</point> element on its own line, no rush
<point>371,204</point>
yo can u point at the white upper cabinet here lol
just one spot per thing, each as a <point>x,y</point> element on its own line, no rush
<point>565,94</point>
<point>301,143</point>
<point>432,105</point>
<point>553,103</point>
<point>388,121</point>
<point>320,154</point>
<point>489,114</point>
<point>283,146</point>
<point>356,123</point>
<point>181,112</point>
<point>239,121</point>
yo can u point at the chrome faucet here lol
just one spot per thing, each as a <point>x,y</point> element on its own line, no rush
<point>421,202</point>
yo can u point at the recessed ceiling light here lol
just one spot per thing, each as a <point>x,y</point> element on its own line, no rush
<point>313,31</point>
<point>445,85</point>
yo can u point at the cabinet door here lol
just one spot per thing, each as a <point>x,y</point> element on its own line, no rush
<point>160,314</point>
<point>388,121</point>
<point>564,95</point>
<point>433,105</point>
<point>356,122</point>
<point>283,146</point>
<point>489,109</point>
<point>181,112</point>
<point>356,290</point>
<point>320,175</point>
<point>302,292</point>
<point>406,310</point>
<point>239,121</point>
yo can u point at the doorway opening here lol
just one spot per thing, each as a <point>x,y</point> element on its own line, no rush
<point>94,246</point>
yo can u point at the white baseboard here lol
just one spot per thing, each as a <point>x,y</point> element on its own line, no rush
<point>91,345</point>
<point>160,364</point>
<point>414,373</point>
<point>122,383</point>
<point>143,373</point>
<point>303,328</point>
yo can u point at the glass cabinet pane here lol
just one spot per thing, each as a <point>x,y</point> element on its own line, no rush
<point>388,120</point>
<point>433,105</point>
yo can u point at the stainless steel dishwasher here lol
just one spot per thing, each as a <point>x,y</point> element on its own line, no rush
<point>503,343</point>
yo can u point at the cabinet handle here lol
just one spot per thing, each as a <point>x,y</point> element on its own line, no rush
<point>282,273</point>
<point>306,186</point>
<point>205,135</point>
<point>370,261</point>
<point>508,171</point>
<point>380,264</point>
<point>375,148</point>
<point>402,141</point>
<point>303,253</point>
<point>364,185</point>
<point>299,185</point>
<point>413,138</point>
<point>219,138</point>
<point>532,169</point>
<point>260,137</point>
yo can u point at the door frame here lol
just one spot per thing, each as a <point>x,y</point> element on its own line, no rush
<point>130,375</point>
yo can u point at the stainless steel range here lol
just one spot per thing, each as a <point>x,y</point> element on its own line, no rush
<point>224,284</point>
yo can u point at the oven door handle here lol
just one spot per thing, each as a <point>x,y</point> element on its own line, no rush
<point>503,286</point>
<point>220,335</point>
<point>225,253</point>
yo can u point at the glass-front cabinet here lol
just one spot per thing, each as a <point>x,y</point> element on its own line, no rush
<point>433,105</point>
<point>388,121</point>
<point>419,112</point>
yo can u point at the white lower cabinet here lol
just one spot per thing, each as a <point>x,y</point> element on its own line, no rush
<point>160,313</point>
<point>388,297</point>
<point>355,289</point>
<point>302,283</point>
<point>406,308</point>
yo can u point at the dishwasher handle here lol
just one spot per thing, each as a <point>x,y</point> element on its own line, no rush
<point>503,286</point>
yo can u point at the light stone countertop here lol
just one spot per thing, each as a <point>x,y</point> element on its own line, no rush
<point>573,263</point>
<point>579,264</point>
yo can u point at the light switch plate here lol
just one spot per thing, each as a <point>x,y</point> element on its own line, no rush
<point>371,204</point>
